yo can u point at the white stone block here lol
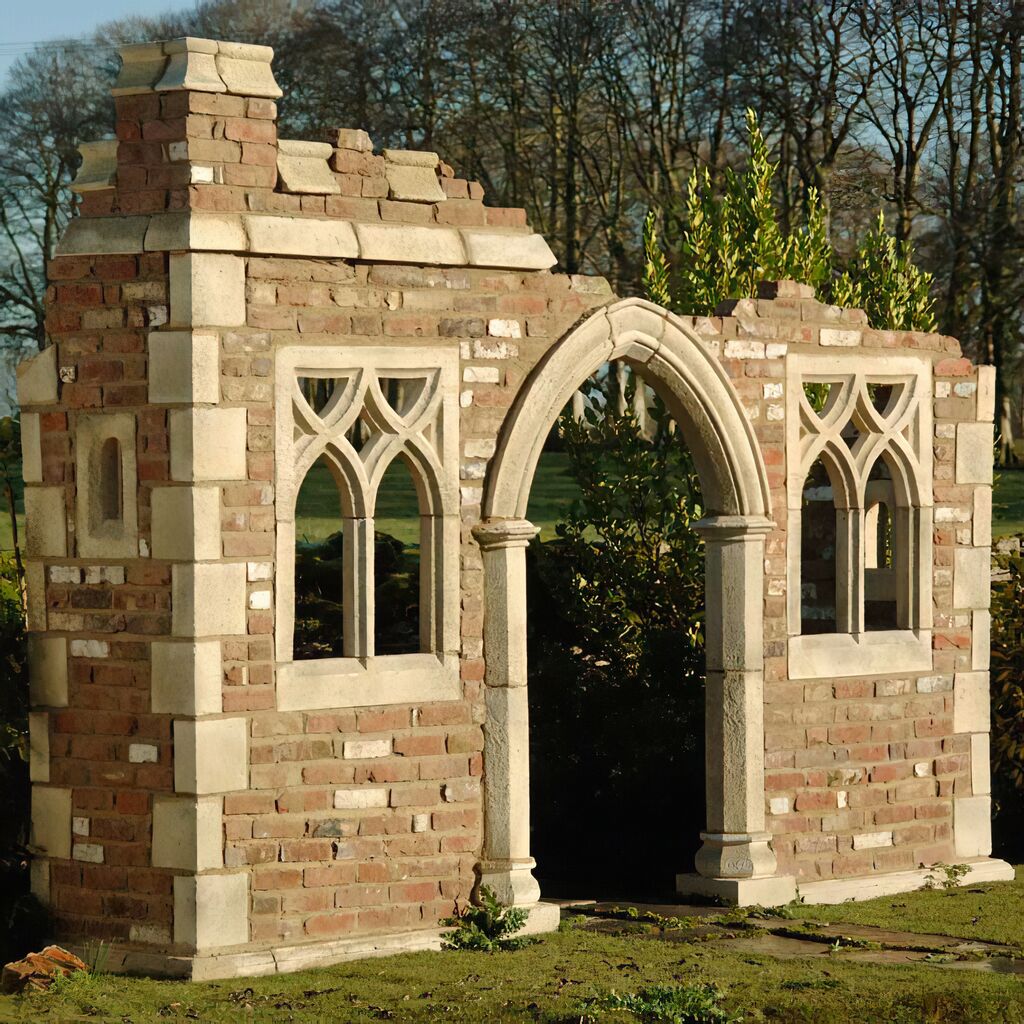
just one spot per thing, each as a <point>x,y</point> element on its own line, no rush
<point>409,243</point>
<point>972,826</point>
<point>65,574</point>
<point>188,832</point>
<point>31,449</point>
<point>257,572</point>
<point>259,600</point>
<point>208,444</point>
<point>357,799</point>
<point>935,684</point>
<point>37,378</point>
<point>187,678</point>
<point>46,522</point>
<point>481,374</point>
<point>143,753</point>
<point>413,184</point>
<point>421,823</point>
<point>48,671</point>
<point>35,597</point>
<point>972,575</point>
<point>245,69</point>
<point>974,453</point>
<point>367,748</point>
<point>744,350</point>
<point>834,337</point>
<point>211,756</point>
<point>90,649</point>
<point>184,367</point>
<point>186,523</point>
<point>207,290</point>
<point>922,769</point>
<point>986,394</point>
<point>971,702</point>
<point>302,167</point>
<point>772,390</point>
<point>112,574</point>
<point>515,251</point>
<point>80,827</point>
<point>872,840</point>
<point>51,821</point>
<point>779,805</point>
<point>981,639</point>
<point>39,746</point>
<point>499,328</point>
<point>480,448</point>
<point>981,764</point>
<point>91,853</point>
<point>982,537</point>
<point>211,910</point>
<point>208,599</point>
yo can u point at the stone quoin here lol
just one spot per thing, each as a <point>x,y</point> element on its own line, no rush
<point>211,806</point>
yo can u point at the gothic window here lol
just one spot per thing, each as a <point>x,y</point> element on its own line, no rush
<point>859,444</point>
<point>367,510</point>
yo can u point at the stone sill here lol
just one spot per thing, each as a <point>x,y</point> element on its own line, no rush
<point>838,655</point>
<point>332,683</point>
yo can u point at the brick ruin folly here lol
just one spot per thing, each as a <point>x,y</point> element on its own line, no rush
<point>212,806</point>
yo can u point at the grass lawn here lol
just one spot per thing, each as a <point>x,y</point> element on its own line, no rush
<point>991,913</point>
<point>564,978</point>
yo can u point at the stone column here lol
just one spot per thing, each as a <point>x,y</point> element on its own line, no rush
<point>507,866</point>
<point>735,845</point>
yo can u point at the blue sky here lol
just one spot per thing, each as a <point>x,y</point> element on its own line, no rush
<point>25,22</point>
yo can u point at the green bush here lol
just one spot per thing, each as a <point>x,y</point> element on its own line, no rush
<point>487,928</point>
<point>731,239</point>
<point>673,1004</point>
<point>616,657</point>
<point>1007,691</point>
<point>22,923</point>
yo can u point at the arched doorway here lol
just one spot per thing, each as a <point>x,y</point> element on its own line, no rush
<point>735,849</point>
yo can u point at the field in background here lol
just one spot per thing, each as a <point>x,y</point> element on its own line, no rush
<point>553,490</point>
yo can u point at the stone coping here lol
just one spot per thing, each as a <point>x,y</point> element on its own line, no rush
<point>282,235</point>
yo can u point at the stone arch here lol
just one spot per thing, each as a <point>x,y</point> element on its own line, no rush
<point>736,859</point>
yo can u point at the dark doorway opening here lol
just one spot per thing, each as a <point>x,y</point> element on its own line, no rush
<point>616,658</point>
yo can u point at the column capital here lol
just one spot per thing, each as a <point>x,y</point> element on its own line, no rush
<point>724,528</point>
<point>492,534</point>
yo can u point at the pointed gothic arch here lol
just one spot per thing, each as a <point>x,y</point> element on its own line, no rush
<point>736,858</point>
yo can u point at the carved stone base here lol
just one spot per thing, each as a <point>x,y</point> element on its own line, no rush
<point>511,881</point>
<point>741,892</point>
<point>735,855</point>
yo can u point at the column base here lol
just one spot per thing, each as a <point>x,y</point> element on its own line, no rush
<point>511,881</point>
<point>737,855</point>
<point>771,891</point>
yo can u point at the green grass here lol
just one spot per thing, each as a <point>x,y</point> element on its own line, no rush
<point>991,913</point>
<point>553,981</point>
